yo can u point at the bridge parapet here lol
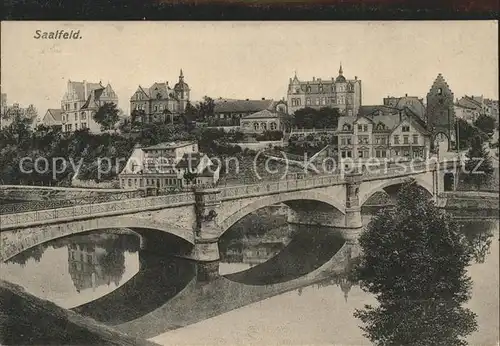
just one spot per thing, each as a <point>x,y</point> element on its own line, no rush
<point>92,210</point>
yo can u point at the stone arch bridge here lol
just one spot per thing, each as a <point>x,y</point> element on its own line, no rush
<point>201,217</point>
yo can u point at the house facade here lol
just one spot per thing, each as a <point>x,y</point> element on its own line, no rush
<point>229,112</point>
<point>339,92</point>
<point>160,102</point>
<point>164,166</point>
<point>383,135</point>
<point>81,101</point>
<point>262,121</point>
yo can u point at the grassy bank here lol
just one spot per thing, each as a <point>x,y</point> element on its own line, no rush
<point>28,320</point>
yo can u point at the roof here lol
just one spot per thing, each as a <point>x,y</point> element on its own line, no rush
<point>170,145</point>
<point>209,171</point>
<point>55,113</point>
<point>190,160</point>
<point>79,88</point>
<point>349,120</point>
<point>241,106</point>
<point>261,115</point>
<point>93,98</point>
<point>371,110</point>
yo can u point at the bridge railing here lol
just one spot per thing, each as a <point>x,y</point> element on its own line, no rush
<point>87,210</point>
<point>22,207</point>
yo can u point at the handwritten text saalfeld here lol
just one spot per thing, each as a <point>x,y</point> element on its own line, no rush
<point>57,35</point>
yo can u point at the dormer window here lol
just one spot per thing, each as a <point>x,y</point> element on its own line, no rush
<point>320,88</point>
<point>440,91</point>
<point>158,96</point>
<point>380,126</point>
<point>346,127</point>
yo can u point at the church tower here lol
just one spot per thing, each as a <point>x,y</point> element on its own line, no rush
<point>440,112</point>
<point>182,90</point>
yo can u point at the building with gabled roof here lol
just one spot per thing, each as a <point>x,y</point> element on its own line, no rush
<point>382,133</point>
<point>262,121</point>
<point>163,166</point>
<point>53,117</point>
<point>230,112</point>
<point>340,93</point>
<point>160,102</point>
<point>81,101</point>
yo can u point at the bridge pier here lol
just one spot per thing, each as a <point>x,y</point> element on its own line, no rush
<point>207,232</point>
<point>353,224</point>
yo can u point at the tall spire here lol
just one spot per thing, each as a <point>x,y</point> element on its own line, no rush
<point>181,76</point>
<point>340,69</point>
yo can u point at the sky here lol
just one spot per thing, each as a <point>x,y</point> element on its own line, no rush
<point>248,59</point>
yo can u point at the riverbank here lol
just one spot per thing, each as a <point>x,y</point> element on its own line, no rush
<point>28,320</point>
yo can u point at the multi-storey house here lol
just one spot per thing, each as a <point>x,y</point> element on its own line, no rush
<point>382,133</point>
<point>160,102</point>
<point>81,101</point>
<point>165,166</point>
<point>339,93</point>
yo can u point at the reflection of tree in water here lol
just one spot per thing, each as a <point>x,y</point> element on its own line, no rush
<point>479,235</point>
<point>34,253</point>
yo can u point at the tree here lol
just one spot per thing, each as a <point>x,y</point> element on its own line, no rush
<point>137,114</point>
<point>485,123</point>
<point>478,167</point>
<point>206,109</point>
<point>414,260</point>
<point>107,116</point>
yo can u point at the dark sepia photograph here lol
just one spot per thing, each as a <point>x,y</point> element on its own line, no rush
<point>249,183</point>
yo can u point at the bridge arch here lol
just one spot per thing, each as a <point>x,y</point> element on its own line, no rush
<point>12,245</point>
<point>372,187</point>
<point>227,221</point>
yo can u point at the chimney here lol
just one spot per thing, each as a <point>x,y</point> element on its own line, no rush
<point>85,88</point>
<point>355,77</point>
<point>406,95</point>
<point>246,99</point>
<point>263,98</point>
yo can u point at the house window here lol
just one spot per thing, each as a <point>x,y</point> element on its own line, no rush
<point>346,127</point>
<point>156,108</point>
<point>349,112</point>
<point>365,128</point>
<point>76,126</point>
<point>405,128</point>
<point>76,116</point>
<point>440,91</point>
<point>308,101</point>
<point>263,126</point>
<point>342,141</point>
<point>348,141</point>
<point>83,116</point>
<point>406,140</point>
<point>320,88</point>
<point>273,126</point>
<point>84,125</point>
<point>256,126</point>
<point>396,152</point>
<point>74,105</point>
<point>317,101</point>
<point>396,139</point>
<point>360,154</point>
<point>415,139</point>
<point>360,128</point>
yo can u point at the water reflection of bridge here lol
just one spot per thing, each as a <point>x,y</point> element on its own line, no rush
<point>167,294</point>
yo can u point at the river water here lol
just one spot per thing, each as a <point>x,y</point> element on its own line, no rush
<point>268,292</point>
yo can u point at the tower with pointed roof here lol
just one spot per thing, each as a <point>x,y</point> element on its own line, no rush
<point>336,92</point>
<point>440,111</point>
<point>182,91</point>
